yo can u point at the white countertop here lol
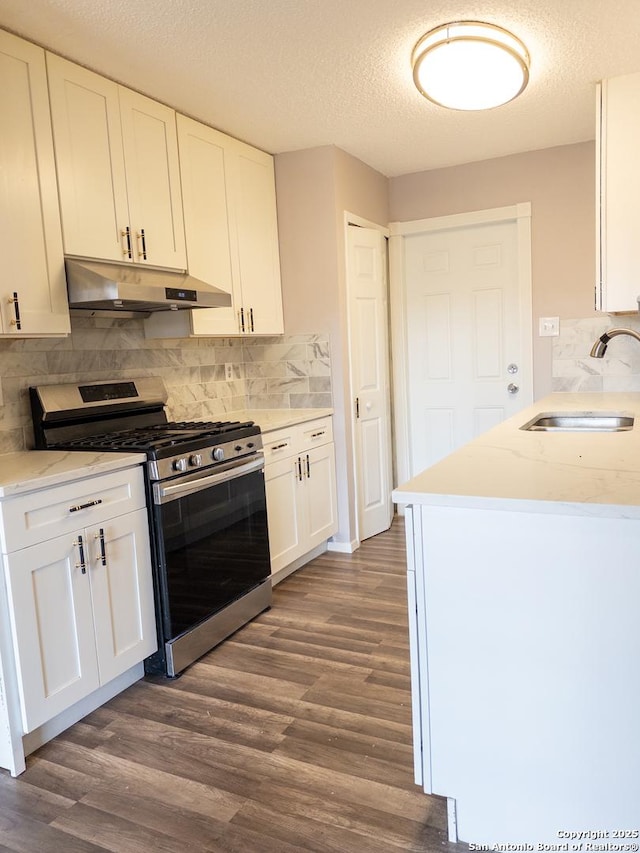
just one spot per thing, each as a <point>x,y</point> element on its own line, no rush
<point>270,419</point>
<point>38,469</point>
<point>559,472</point>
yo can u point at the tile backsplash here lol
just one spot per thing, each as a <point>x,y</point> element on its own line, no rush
<point>280,372</point>
<point>575,370</point>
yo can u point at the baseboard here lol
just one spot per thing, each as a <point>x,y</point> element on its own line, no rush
<point>283,573</point>
<point>343,547</point>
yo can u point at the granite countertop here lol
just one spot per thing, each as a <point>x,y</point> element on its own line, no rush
<point>27,470</point>
<point>557,472</point>
<point>270,419</point>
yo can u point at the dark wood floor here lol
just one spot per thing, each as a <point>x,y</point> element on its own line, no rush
<point>294,734</point>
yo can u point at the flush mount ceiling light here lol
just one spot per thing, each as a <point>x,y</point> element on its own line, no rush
<point>468,65</point>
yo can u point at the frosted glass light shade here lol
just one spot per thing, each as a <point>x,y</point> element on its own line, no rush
<point>468,65</point>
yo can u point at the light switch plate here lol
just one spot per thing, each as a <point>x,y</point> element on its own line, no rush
<point>549,327</point>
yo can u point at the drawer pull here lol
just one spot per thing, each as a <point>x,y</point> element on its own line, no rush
<point>317,434</point>
<point>103,553</point>
<point>78,507</point>
<point>279,446</point>
<point>82,564</point>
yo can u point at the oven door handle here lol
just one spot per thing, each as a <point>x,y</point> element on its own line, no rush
<point>163,494</point>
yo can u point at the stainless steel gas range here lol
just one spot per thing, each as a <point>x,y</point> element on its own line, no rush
<point>206,502</point>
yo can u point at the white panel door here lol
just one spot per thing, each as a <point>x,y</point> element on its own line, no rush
<point>150,144</point>
<point>368,345</point>
<point>52,627</point>
<point>122,593</point>
<point>322,511</point>
<point>30,234</point>
<point>205,156</point>
<point>85,113</point>
<point>464,336</point>
<point>283,484</point>
<point>257,233</point>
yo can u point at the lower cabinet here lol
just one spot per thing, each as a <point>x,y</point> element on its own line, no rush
<point>301,493</point>
<point>81,611</point>
<point>80,605</point>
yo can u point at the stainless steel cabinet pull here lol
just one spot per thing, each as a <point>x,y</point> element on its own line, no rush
<point>103,553</point>
<point>308,467</point>
<point>82,564</point>
<point>242,319</point>
<point>279,446</point>
<point>16,308</point>
<point>251,319</point>
<point>143,253</point>
<point>78,507</point>
<point>317,434</point>
<point>127,233</point>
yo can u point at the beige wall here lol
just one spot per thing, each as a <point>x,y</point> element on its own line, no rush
<point>314,188</point>
<point>560,184</point>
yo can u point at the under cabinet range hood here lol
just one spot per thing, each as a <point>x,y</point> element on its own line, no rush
<point>138,290</point>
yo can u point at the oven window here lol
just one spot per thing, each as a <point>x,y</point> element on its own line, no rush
<point>214,548</point>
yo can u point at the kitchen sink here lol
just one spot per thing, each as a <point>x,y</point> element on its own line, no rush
<point>579,422</point>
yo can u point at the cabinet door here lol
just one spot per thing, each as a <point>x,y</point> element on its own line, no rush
<point>285,516</point>
<point>52,628</point>
<point>153,180</point>
<point>619,188</point>
<point>85,113</point>
<point>30,234</point>
<point>257,234</point>
<point>205,157</point>
<point>122,593</point>
<point>320,467</point>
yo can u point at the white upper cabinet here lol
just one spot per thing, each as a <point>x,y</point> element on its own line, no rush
<point>618,190</point>
<point>232,235</point>
<point>118,170</point>
<point>33,295</point>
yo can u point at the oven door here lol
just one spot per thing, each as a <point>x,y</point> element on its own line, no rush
<point>212,540</point>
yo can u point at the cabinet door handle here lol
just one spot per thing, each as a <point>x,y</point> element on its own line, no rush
<point>103,553</point>
<point>251,319</point>
<point>299,469</point>
<point>82,564</point>
<point>141,237</point>
<point>78,507</point>
<point>16,310</point>
<point>308,467</point>
<point>357,407</point>
<point>242,319</point>
<point>127,233</point>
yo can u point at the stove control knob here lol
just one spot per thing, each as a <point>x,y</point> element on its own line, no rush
<point>250,445</point>
<point>195,460</point>
<point>218,454</point>
<point>238,448</point>
<point>179,464</point>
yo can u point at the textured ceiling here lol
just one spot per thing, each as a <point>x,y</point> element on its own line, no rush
<point>291,74</point>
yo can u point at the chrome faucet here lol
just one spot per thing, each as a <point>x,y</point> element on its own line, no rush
<point>600,347</point>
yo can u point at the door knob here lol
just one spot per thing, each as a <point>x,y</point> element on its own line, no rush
<point>512,368</point>
<point>512,389</point>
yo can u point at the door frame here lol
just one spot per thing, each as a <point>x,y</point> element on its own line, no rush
<point>354,219</point>
<point>521,214</point>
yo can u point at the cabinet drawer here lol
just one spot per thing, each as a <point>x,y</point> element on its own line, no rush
<point>279,444</point>
<point>42,515</point>
<point>315,433</point>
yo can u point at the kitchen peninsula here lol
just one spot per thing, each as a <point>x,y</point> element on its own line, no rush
<point>524,605</point>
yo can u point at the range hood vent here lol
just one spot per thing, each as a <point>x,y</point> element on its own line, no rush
<point>137,290</point>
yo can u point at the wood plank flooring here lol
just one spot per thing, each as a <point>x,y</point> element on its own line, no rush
<point>293,735</point>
